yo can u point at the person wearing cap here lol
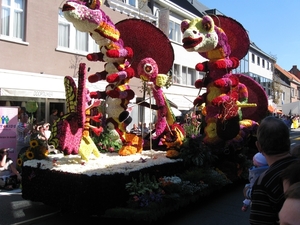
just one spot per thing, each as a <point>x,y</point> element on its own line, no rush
<point>260,165</point>
<point>267,197</point>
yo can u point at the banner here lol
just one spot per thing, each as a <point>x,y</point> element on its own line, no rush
<point>8,130</point>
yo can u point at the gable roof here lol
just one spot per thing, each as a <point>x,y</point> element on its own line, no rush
<point>190,7</point>
<point>289,75</point>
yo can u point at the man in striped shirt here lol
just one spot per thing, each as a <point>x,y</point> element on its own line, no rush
<point>273,141</point>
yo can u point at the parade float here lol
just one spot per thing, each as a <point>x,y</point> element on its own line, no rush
<point>100,169</point>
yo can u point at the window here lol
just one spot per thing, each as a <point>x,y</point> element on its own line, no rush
<point>268,65</point>
<point>81,41</point>
<point>184,75</point>
<point>292,92</point>
<point>176,74</point>
<point>244,65</point>
<point>189,76</point>
<point>282,98</point>
<point>12,19</point>
<point>174,31</point>
<point>63,33</point>
<point>73,40</point>
<point>132,2</point>
<point>253,58</point>
<point>263,63</point>
<point>258,60</point>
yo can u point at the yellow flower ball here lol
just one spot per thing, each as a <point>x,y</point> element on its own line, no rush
<point>33,143</point>
<point>19,162</point>
<point>29,154</point>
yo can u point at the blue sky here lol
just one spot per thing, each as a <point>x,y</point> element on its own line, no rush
<point>274,26</point>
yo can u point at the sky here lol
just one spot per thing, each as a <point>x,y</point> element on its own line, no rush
<point>273,25</point>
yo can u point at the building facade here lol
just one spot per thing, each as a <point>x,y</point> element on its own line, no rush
<point>39,47</point>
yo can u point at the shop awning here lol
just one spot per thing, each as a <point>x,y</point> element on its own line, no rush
<point>35,85</point>
<point>176,112</point>
<point>183,103</point>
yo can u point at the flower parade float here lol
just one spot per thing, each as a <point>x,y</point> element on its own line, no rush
<point>100,169</point>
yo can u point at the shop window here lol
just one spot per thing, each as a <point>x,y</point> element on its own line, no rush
<point>12,19</point>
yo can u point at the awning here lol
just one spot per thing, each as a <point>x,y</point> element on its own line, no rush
<point>176,112</point>
<point>183,103</point>
<point>24,84</point>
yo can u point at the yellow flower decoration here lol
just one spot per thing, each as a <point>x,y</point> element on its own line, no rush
<point>19,162</point>
<point>33,143</point>
<point>29,154</point>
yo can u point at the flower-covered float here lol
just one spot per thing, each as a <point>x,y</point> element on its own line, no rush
<point>101,169</point>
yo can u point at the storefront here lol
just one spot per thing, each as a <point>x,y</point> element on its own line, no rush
<point>48,91</point>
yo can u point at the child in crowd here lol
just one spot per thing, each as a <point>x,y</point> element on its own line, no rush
<point>259,166</point>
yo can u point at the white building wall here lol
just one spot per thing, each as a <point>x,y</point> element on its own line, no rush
<point>259,69</point>
<point>183,57</point>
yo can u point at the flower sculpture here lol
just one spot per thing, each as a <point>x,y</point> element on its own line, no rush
<point>122,54</point>
<point>88,17</point>
<point>148,72</point>
<point>152,68</point>
<point>70,133</point>
<point>227,94</point>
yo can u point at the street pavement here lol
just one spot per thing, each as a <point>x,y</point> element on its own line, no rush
<point>223,208</point>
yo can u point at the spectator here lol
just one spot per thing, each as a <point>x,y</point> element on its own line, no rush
<point>295,151</point>
<point>289,213</point>
<point>7,169</point>
<point>135,130</point>
<point>295,122</point>
<point>288,121</point>
<point>290,175</point>
<point>273,141</point>
<point>260,165</point>
<point>22,131</point>
<point>145,130</point>
<point>53,117</point>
